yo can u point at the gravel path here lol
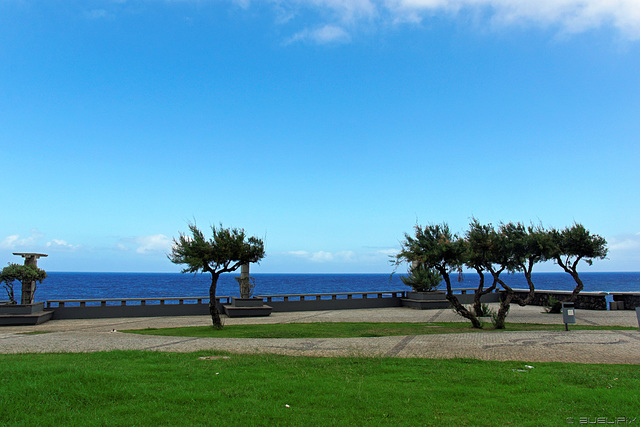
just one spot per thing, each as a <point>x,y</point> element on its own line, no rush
<point>84,335</point>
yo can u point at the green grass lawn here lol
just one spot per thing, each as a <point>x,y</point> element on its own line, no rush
<point>129,388</point>
<point>347,330</point>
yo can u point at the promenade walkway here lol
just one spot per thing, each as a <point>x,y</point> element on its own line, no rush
<point>89,335</point>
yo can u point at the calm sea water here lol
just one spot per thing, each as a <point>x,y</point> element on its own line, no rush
<point>151,285</point>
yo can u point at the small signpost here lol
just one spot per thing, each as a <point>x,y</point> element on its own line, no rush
<point>568,314</point>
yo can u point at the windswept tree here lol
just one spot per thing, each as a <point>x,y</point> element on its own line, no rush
<point>575,244</point>
<point>480,245</point>
<point>518,249</point>
<point>227,250</point>
<point>434,246</point>
<point>23,274</point>
<point>525,247</point>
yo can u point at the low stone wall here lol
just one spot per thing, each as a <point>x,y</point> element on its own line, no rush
<point>130,307</point>
<point>194,306</point>
<point>586,300</point>
<point>346,301</point>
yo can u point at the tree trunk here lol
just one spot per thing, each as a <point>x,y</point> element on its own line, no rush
<point>460,309</point>
<point>480,291</point>
<point>505,305</point>
<point>573,271</point>
<point>579,286</point>
<point>213,306</point>
<point>532,290</point>
<point>477,305</point>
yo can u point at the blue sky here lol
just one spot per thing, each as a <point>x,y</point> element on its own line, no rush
<point>329,128</point>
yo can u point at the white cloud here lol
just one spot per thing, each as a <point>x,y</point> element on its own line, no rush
<point>624,252</point>
<point>97,14</point>
<point>624,243</point>
<point>324,35</point>
<point>302,254</point>
<point>61,244</point>
<point>388,252</point>
<point>9,241</point>
<point>569,16</point>
<point>155,243</point>
<point>15,241</point>
<point>323,256</point>
<point>335,21</point>
<point>344,256</point>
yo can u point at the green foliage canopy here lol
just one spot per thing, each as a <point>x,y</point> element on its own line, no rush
<point>227,250</point>
<point>433,246</point>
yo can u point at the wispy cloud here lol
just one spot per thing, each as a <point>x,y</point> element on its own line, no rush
<point>323,256</point>
<point>57,244</point>
<point>324,35</point>
<point>97,14</point>
<point>625,243</point>
<point>150,244</point>
<point>15,241</point>
<point>366,256</point>
<point>337,19</point>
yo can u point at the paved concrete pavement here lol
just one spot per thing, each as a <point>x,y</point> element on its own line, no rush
<point>87,335</point>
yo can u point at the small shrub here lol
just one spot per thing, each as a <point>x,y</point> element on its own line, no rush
<point>553,305</point>
<point>486,310</point>
<point>422,279</point>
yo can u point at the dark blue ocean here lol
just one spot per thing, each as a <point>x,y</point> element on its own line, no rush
<point>152,285</point>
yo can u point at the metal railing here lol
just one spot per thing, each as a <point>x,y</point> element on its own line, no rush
<point>103,302</point>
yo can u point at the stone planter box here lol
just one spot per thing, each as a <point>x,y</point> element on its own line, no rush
<point>426,300</point>
<point>11,309</point>
<point>23,314</point>
<point>428,296</point>
<point>246,302</point>
<point>247,307</point>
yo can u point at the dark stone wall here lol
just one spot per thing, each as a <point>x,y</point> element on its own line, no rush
<point>630,300</point>
<point>586,300</point>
